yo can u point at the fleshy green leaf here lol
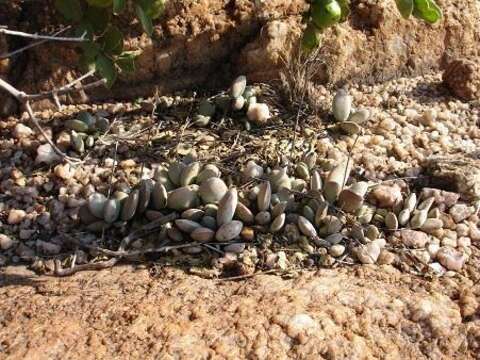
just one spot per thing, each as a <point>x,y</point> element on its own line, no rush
<point>153,8</point>
<point>311,38</point>
<point>345,6</point>
<point>326,13</point>
<point>118,6</point>
<point>427,10</point>
<point>145,20</point>
<point>70,9</point>
<point>405,7</point>
<point>106,69</point>
<point>113,41</point>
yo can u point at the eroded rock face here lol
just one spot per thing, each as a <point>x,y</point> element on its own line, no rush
<point>462,77</point>
<point>208,42</point>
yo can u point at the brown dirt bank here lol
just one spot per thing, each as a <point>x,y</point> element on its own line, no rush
<point>202,43</point>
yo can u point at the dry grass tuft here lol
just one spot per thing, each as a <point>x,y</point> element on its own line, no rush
<point>297,84</point>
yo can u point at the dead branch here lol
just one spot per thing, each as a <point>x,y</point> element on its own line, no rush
<point>29,46</point>
<point>43,37</point>
<point>59,271</point>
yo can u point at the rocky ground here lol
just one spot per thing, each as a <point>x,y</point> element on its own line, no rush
<point>418,299</point>
<point>366,312</point>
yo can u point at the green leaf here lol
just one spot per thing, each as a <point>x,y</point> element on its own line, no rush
<point>113,41</point>
<point>326,13</point>
<point>153,8</point>
<point>311,38</point>
<point>70,9</point>
<point>145,20</point>
<point>427,10</point>
<point>106,69</point>
<point>118,6</point>
<point>90,49</point>
<point>345,6</point>
<point>405,7</point>
<point>97,18</point>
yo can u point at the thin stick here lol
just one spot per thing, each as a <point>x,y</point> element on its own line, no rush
<point>59,271</point>
<point>23,97</point>
<point>44,134</point>
<point>42,37</point>
<point>29,46</point>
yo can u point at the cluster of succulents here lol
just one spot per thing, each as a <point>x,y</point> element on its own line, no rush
<point>315,200</point>
<point>349,120</point>
<point>84,129</point>
<point>211,211</point>
<point>241,102</point>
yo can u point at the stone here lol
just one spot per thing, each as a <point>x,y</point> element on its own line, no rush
<point>450,258</point>
<point>247,234</point>
<point>336,250</point>
<point>431,224</point>
<point>368,254</point>
<point>64,172</point>
<point>6,242</point>
<point>464,242</point>
<point>413,239</point>
<point>386,196</point>
<point>16,216</point>
<point>299,326</point>
<point>460,212</point>
<point>386,257</point>
<point>258,113</point>
<point>462,78</point>
<point>48,247</point>
<point>46,154</point>
<point>21,131</point>
<point>443,199</point>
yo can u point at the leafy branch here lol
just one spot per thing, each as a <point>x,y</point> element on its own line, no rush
<point>103,49</point>
<point>326,13</point>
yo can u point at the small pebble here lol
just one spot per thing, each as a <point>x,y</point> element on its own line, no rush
<point>336,250</point>
<point>16,216</point>
<point>6,242</point>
